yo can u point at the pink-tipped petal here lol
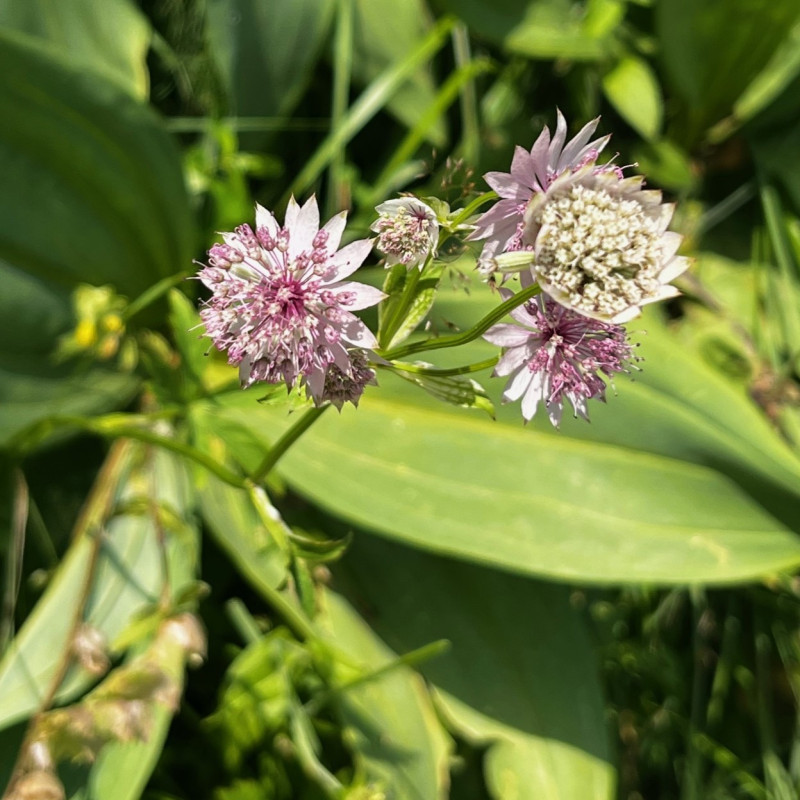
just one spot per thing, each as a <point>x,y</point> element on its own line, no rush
<point>356,296</point>
<point>334,227</point>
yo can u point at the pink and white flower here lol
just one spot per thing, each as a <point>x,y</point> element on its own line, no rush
<point>281,306</point>
<point>554,354</point>
<point>598,241</point>
<point>531,173</point>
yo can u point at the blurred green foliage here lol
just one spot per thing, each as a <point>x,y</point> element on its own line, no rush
<point>446,605</point>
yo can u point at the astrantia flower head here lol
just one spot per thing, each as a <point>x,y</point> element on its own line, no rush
<point>554,354</point>
<point>407,231</point>
<point>532,172</point>
<point>280,305</point>
<point>601,245</point>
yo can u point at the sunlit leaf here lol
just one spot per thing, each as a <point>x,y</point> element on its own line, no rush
<point>596,508</point>
<point>563,29</point>
<point>633,89</point>
<point>109,36</point>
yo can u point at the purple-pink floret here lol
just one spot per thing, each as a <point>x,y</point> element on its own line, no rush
<point>280,307</point>
<point>554,354</point>
<point>531,172</point>
<point>347,387</point>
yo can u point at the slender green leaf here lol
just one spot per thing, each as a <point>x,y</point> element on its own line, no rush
<point>113,571</point>
<point>390,720</point>
<point>711,65</point>
<point>266,52</point>
<point>633,89</point>
<point>370,101</point>
<point>376,46</point>
<point>781,69</point>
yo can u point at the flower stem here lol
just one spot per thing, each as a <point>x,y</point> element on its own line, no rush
<point>286,441</point>
<point>435,372</point>
<point>155,292</point>
<point>404,303</point>
<point>467,336</point>
<point>471,208</point>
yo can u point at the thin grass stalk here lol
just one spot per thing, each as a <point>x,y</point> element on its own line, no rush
<point>338,195</point>
<point>369,103</point>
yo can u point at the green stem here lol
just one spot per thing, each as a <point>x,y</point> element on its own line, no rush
<point>243,621</point>
<point>411,659</point>
<point>155,292</point>
<point>342,68</point>
<point>471,208</point>
<point>114,426</point>
<point>467,336</point>
<point>404,304</point>
<point>289,437</point>
<point>471,139</point>
<point>435,372</point>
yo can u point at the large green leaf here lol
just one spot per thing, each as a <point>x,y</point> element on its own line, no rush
<point>33,312</point>
<point>397,739</point>
<point>520,675</point>
<point>601,508</point>
<point>267,51</point>
<point>109,36</point>
<point>31,389</point>
<point>676,406</point>
<point>114,569</point>
<point>711,65</point>
<point>101,202</point>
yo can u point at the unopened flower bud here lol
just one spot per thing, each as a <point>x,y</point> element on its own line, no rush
<point>408,231</point>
